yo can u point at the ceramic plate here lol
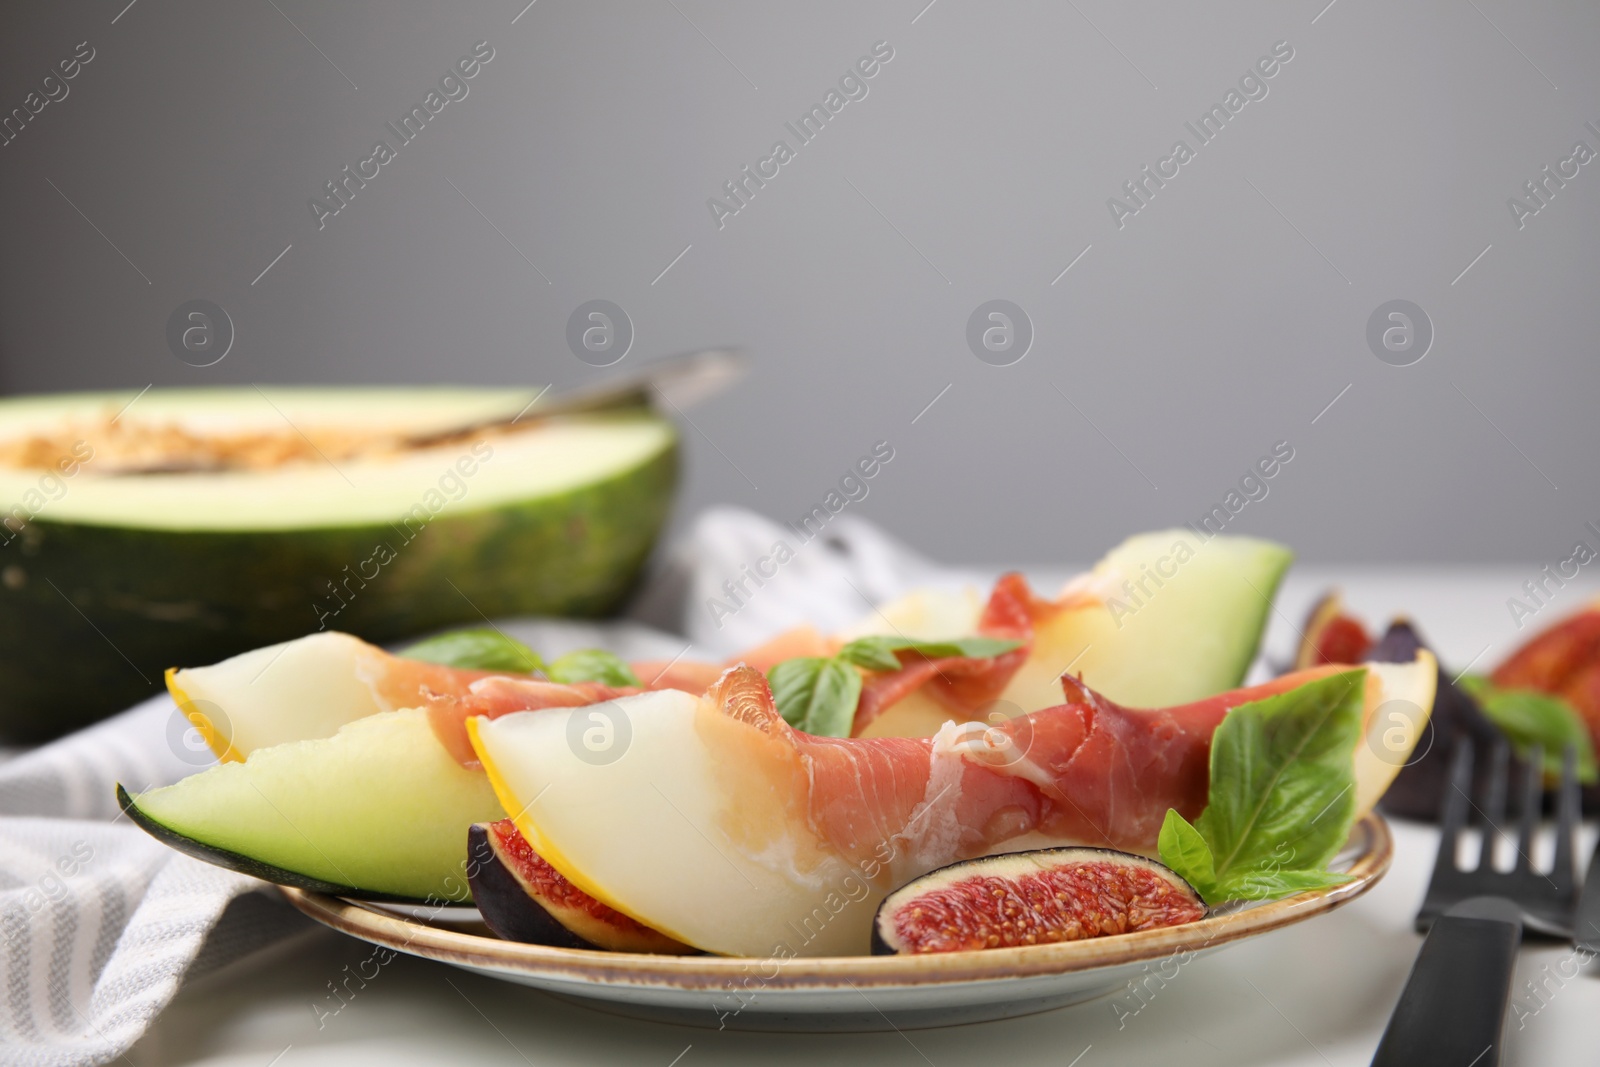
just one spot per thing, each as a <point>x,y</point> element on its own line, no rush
<point>842,992</point>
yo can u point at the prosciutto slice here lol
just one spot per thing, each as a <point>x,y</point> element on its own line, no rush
<point>1087,771</point>
<point>496,695</point>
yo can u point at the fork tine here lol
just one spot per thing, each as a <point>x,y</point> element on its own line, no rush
<point>1532,801</point>
<point>1493,814</point>
<point>1567,806</point>
<point>1453,810</point>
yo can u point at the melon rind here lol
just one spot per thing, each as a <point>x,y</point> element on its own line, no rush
<point>379,809</point>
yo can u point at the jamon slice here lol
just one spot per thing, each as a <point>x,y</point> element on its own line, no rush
<point>958,685</point>
<point>724,828</point>
<point>495,696</point>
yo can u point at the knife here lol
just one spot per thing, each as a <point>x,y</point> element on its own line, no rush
<point>673,382</point>
<point>1452,1012</point>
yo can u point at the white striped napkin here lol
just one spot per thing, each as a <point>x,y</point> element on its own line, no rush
<point>100,923</point>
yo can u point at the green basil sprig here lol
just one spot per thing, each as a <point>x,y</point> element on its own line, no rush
<point>1528,717</point>
<point>487,649</point>
<point>1282,795</point>
<point>819,694</point>
<point>481,648</point>
<point>878,653</point>
<point>816,695</point>
<point>592,665</point>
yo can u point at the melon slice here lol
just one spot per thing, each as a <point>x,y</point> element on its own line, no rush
<point>306,689</point>
<point>1170,619</point>
<point>1399,704</point>
<point>300,690</point>
<point>1165,618</point>
<point>378,810</point>
<point>198,524</point>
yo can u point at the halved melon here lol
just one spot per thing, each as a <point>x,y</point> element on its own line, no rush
<point>378,810</point>
<point>196,524</point>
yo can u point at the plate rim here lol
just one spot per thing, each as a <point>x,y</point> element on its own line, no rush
<point>1374,855</point>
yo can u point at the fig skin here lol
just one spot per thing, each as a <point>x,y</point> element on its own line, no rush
<point>507,907</point>
<point>886,936</point>
<point>515,910</point>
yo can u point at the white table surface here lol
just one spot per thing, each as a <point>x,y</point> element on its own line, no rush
<point>1314,994</point>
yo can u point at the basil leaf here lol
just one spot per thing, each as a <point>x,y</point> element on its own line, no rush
<point>878,653</point>
<point>1183,849</point>
<point>592,665</point>
<point>816,695</point>
<point>1270,885</point>
<point>1528,717</point>
<point>1282,794</point>
<point>481,649</point>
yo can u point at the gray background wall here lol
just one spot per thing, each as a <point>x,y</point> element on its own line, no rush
<point>1221,319</point>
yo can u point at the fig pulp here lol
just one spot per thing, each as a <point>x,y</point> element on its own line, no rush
<point>1331,635</point>
<point>523,898</point>
<point>1032,898</point>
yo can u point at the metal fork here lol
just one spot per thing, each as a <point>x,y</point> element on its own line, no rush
<point>1452,1011</point>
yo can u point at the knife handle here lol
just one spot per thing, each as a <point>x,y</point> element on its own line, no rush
<point>1453,1009</point>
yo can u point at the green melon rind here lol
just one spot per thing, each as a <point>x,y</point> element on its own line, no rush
<point>234,861</point>
<point>379,810</point>
<point>90,616</point>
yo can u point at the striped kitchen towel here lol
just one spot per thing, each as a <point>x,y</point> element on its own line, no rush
<point>100,923</point>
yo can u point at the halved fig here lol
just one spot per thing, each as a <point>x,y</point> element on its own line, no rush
<point>1032,898</point>
<point>523,898</point>
<point>1563,661</point>
<point>1551,657</point>
<point>1331,635</point>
